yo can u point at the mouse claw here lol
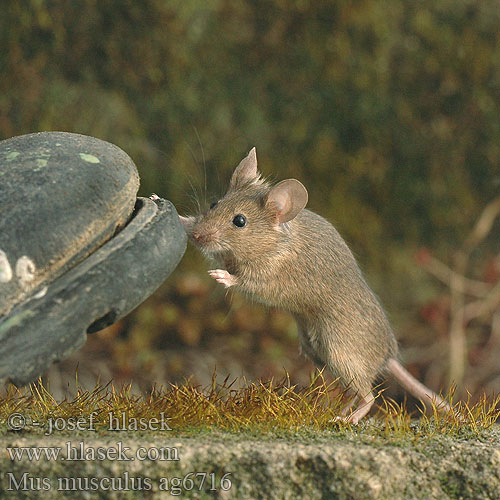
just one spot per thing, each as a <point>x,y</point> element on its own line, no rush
<point>223,277</point>
<point>344,420</point>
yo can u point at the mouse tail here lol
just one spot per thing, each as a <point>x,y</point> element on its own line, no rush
<point>412,385</point>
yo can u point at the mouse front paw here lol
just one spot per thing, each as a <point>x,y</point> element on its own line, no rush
<point>223,277</point>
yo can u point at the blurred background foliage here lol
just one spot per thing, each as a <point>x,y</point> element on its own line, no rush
<point>389,113</point>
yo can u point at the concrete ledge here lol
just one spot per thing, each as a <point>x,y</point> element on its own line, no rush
<point>326,465</point>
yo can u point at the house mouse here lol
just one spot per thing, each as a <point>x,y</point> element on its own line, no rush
<point>269,246</point>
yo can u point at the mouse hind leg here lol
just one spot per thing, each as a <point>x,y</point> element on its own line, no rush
<point>344,411</point>
<point>307,348</point>
<point>364,406</point>
<point>364,402</point>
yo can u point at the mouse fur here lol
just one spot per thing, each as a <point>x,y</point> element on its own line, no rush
<point>289,257</point>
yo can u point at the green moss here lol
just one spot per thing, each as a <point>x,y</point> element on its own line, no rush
<point>267,410</point>
<point>12,155</point>
<point>89,158</point>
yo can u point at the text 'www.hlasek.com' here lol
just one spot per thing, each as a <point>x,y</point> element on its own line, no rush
<point>103,449</point>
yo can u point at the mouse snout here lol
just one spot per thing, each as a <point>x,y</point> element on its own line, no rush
<point>204,237</point>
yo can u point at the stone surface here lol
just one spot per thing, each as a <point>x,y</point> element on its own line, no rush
<point>61,196</point>
<point>65,271</point>
<point>329,467</point>
<point>92,295</point>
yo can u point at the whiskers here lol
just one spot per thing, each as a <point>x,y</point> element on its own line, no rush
<point>195,196</point>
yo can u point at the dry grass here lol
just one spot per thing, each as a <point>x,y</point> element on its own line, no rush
<point>261,407</point>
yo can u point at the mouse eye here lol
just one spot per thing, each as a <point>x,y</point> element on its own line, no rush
<point>240,221</point>
<point>213,205</point>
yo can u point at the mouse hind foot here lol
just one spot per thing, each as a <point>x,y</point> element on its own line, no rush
<point>364,406</point>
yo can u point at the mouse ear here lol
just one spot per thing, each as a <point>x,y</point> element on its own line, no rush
<point>288,197</point>
<point>246,171</point>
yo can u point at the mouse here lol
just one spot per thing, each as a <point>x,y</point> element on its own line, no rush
<point>267,245</point>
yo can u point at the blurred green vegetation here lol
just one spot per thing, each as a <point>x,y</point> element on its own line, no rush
<point>389,113</point>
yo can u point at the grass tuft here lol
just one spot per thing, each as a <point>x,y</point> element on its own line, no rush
<point>257,407</point>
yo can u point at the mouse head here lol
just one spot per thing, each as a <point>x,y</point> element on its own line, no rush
<point>249,222</point>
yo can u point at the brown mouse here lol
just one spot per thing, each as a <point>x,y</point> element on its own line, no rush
<point>269,246</point>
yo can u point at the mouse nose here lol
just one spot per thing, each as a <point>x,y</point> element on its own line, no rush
<point>202,237</point>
